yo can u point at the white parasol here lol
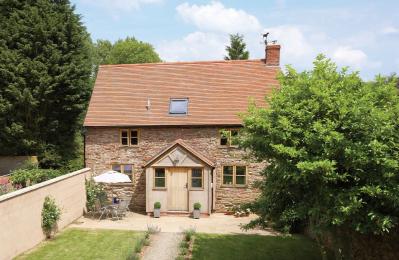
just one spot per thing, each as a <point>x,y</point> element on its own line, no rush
<point>112,177</point>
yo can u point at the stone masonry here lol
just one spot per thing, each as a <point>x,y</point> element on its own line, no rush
<point>103,148</point>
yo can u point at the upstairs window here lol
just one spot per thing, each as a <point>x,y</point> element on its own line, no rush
<point>229,137</point>
<point>129,137</point>
<point>178,106</point>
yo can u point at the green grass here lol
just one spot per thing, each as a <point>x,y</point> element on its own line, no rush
<point>86,244</point>
<point>207,246</point>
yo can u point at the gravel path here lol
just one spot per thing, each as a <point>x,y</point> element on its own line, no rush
<point>164,246</point>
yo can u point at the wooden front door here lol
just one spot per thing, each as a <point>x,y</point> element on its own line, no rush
<point>177,189</point>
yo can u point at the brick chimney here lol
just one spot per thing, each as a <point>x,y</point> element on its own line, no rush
<point>272,55</point>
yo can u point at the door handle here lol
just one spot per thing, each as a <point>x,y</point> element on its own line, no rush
<point>186,185</point>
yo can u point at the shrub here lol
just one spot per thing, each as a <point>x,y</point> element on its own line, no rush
<point>197,205</point>
<point>153,229</point>
<point>188,234</point>
<point>94,191</point>
<point>30,176</point>
<point>331,143</point>
<point>50,215</point>
<point>157,205</point>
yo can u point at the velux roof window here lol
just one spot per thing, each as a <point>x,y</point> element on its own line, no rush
<point>178,106</point>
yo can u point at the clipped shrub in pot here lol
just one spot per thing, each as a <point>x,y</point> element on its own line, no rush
<point>157,209</point>
<point>197,210</point>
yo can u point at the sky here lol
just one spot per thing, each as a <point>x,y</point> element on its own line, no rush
<point>363,35</point>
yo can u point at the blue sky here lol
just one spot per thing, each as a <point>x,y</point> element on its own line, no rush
<point>361,34</point>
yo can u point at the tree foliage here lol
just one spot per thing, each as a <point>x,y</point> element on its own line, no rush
<point>331,142</point>
<point>237,49</point>
<point>127,51</point>
<point>45,71</point>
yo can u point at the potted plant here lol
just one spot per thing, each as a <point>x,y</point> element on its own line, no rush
<point>157,209</point>
<point>197,210</point>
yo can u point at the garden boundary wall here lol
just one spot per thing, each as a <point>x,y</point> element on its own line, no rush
<point>20,211</point>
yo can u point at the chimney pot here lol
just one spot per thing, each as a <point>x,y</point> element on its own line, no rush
<point>272,55</point>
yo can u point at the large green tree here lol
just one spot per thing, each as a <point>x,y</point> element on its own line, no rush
<point>331,142</point>
<point>237,48</point>
<point>45,71</point>
<point>124,51</point>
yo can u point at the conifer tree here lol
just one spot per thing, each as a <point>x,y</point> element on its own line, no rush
<point>45,71</point>
<point>237,49</point>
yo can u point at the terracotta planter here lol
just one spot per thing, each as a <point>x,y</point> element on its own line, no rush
<point>196,213</point>
<point>157,213</point>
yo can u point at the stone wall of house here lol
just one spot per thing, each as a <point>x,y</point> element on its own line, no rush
<point>103,148</point>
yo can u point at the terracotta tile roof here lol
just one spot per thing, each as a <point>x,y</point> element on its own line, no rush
<point>181,143</point>
<point>217,92</point>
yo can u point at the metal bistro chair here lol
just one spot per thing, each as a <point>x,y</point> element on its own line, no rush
<point>100,209</point>
<point>121,209</point>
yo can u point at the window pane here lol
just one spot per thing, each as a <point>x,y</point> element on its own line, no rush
<point>160,182</point>
<point>240,180</point>
<point>133,133</point>
<point>223,141</point>
<point>196,173</point>
<point>241,170</point>
<point>124,141</point>
<point>196,183</point>
<point>228,179</point>
<point>127,169</point>
<point>178,106</point>
<point>234,137</point>
<point>124,133</point>
<point>134,141</point>
<point>160,172</point>
<point>224,137</point>
<point>116,167</point>
<point>228,170</point>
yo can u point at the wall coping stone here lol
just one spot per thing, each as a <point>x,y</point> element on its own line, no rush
<point>42,184</point>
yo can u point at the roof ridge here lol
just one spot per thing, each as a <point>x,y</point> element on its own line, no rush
<point>180,62</point>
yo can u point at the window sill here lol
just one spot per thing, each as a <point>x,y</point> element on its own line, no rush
<point>234,186</point>
<point>227,146</point>
<point>159,189</point>
<point>196,189</point>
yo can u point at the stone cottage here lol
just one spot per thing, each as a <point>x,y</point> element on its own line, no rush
<point>170,126</point>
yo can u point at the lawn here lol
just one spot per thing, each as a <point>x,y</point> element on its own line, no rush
<point>207,246</point>
<point>86,244</point>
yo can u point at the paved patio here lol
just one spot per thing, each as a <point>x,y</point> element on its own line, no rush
<point>216,223</point>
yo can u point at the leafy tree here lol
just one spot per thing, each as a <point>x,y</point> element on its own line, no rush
<point>45,71</point>
<point>237,49</point>
<point>331,142</point>
<point>127,51</point>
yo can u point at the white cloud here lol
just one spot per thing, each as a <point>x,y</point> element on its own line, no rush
<point>216,17</point>
<point>348,56</point>
<point>194,46</point>
<point>390,30</point>
<point>293,39</point>
<point>120,5</point>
